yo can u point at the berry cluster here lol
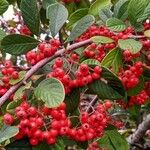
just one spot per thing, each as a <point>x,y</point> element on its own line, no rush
<point>139,99</point>
<point>97,51</point>
<point>8,72</point>
<point>46,124</point>
<point>45,49</point>
<point>104,31</point>
<point>128,56</point>
<point>83,76</point>
<point>130,77</point>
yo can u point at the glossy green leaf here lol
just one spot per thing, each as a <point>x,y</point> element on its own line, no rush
<point>120,9</point>
<point>115,24</point>
<point>21,76</point>
<point>12,105</point>
<point>72,100</point>
<point>76,16</point>
<point>102,39</point>
<point>136,9</point>
<point>7,132</point>
<point>105,13</point>
<point>18,44</point>
<point>146,14</point>
<point>81,26</point>
<point>97,6</point>
<point>30,14</point>
<point>132,45</point>
<point>113,140</point>
<point>51,91</point>
<point>57,14</point>
<point>103,90</point>
<point>3,6</point>
<point>91,62</point>
<point>113,59</point>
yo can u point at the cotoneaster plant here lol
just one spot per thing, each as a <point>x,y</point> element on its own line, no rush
<point>78,74</point>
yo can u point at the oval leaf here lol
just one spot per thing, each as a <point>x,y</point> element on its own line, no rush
<point>113,59</point>
<point>132,45</point>
<point>31,15</point>
<point>76,16</point>
<point>3,6</point>
<point>51,91</point>
<point>115,24</point>
<point>57,14</point>
<point>97,6</point>
<point>7,132</point>
<point>102,39</point>
<point>18,44</point>
<point>81,26</point>
<point>91,62</point>
<point>147,33</point>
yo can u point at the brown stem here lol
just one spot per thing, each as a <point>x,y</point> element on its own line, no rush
<point>40,64</point>
<point>140,132</point>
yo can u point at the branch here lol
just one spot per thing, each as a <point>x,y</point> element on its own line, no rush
<point>40,64</point>
<point>140,132</point>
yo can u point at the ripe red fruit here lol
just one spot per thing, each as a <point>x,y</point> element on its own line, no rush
<point>8,119</point>
<point>15,75</point>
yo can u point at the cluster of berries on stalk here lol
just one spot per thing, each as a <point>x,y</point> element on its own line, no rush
<point>130,77</point>
<point>45,49</point>
<point>46,124</point>
<point>8,73</point>
<point>83,76</point>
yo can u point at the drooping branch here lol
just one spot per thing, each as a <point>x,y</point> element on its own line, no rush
<point>140,132</point>
<point>40,64</point>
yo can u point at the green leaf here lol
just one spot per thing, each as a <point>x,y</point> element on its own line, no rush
<point>120,9</point>
<point>41,146</point>
<point>2,34</point>
<point>147,33</point>
<point>31,15</point>
<point>57,14</point>
<point>18,44</point>
<point>51,91</point>
<point>19,93</point>
<point>105,13</point>
<point>110,83</point>
<point>21,76</point>
<point>134,112</point>
<point>104,142</point>
<point>111,139</point>
<point>46,3</point>
<point>113,59</point>
<point>136,9</point>
<point>81,26</point>
<point>12,105</point>
<point>132,45</point>
<point>76,16</point>
<point>136,90</point>
<point>97,6</point>
<point>115,24</point>
<point>103,90</point>
<point>72,100</point>
<point>91,62</point>
<point>146,14</point>
<point>7,132</point>
<point>3,6</point>
<point>102,39</point>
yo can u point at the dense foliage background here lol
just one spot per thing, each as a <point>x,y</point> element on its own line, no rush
<point>75,74</point>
